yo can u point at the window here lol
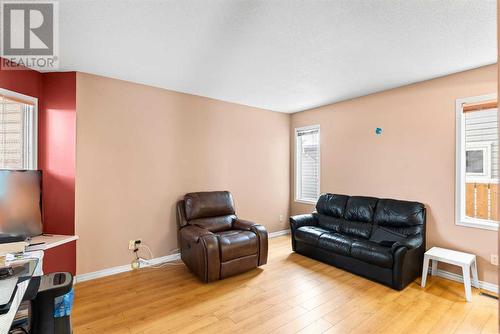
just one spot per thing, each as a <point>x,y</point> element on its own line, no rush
<point>18,135</point>
<point>307,164</point>
<point>477,162</point>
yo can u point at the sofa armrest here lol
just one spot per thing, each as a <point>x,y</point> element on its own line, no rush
<point>299,221</point>
<point>260,231</point>
<point>302,220</point>
<point>409,243</point>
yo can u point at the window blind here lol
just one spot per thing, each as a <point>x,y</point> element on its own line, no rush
<point>481,129</point>
<point>13,134</point>
<point>308,164</point>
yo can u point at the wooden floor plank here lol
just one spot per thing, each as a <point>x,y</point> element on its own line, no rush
<point>291,294</point>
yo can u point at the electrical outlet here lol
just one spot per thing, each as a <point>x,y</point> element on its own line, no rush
<point>494,259</point>
<point>281,218</point>
<point>133,243</point>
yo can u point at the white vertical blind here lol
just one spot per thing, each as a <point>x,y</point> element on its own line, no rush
<point>308,163</point>
<point>14,133</point>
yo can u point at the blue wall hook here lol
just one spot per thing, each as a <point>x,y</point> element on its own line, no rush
<point>378,131</point>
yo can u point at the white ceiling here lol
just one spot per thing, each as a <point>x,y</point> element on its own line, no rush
<point>282,55</point>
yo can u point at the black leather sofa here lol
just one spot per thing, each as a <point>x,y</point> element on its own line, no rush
<point>380,239</point>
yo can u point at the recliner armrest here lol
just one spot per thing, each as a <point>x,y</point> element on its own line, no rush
<point>260,231</point>
<point>194,233</point>
<point>200,252</point>
<point>302,220</point>
<point>411,242</point>
<point>241,224</point>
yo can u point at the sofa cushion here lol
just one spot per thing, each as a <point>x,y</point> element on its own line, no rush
<point>386,237</point>
<point>234,244</point>
<point>335,242</point>
<point>360,208</point>
<point>356,228</point>
<point>309,234</point>
<point>395,213</point>
<point>407,231</point>
<point>371,252</point>
<point>330,223</point>
<point>332,205</point>
<point>208,204</point>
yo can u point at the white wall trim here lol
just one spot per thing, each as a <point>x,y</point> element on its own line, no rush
<point>278,233</point>
<point>160,260</point>
<point>175,257</point>
<point>458,278</point>
<point>102,273</point>
<point>155,261</point>
<point>125,268</point>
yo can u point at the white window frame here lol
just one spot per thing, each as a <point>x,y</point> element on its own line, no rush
<point>460,175</point>
<point>298,175</point>
<point>31,126</point>
<point>484,146</point>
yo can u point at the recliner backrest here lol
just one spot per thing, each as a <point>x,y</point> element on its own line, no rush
<point>213,210</point>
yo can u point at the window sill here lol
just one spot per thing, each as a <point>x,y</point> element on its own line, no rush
<point>305,201</point>
<point>481,224</point>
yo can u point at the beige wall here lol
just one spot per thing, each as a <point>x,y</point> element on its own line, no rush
<point>165,144</point>
<point>139,149</point>
<point>413,159</point>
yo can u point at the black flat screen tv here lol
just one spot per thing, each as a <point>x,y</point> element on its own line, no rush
<point>20,203</point>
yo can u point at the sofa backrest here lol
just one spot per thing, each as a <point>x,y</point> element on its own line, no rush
<point>360,209</point>
<point>332,205</point>
<point>356,215</point>
<point>401,216</point>
<point>212,210</point>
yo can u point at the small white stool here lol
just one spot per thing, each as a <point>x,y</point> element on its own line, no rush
<point>460,259</point>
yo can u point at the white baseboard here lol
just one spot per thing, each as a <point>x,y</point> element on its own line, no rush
<point>459,278</point>
<point>160,260</point>
<point>155,261</point>
<point>175,257</point>
<point>278,233</point>
<point>125,268</point>
<point>102,273</point>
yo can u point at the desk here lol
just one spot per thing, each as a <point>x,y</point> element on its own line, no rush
<point>47,241</point>
<point>41,243</point>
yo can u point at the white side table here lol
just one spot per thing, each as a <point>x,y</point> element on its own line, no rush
<point>464,260</point>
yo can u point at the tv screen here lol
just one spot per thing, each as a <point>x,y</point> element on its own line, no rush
<point>20,203</point>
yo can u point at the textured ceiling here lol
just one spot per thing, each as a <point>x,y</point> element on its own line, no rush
<point>287,55</point>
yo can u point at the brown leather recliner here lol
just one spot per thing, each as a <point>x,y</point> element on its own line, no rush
<point>215,243</point>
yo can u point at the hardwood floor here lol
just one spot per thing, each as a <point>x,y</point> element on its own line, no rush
<point>291,294</point>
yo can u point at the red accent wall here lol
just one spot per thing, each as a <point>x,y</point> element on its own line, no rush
<point>26,82</point>
<point>56,158</point>
<point>56,93</point>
